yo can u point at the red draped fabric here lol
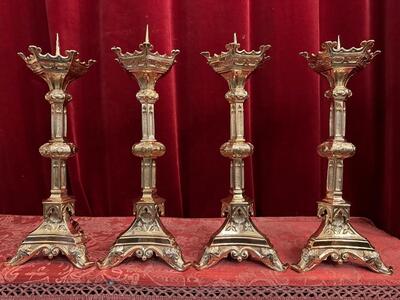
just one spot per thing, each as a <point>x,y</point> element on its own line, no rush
<point>287,116</point>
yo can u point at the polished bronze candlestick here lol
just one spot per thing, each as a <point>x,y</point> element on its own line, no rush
<point>58,232</point>
<point>147,235</point>
<point>336,238</point>
<point>238,236</point>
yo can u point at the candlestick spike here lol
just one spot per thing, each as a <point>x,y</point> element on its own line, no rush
<point>57,45</point>
<point>58,233</point>
<point>234,38</point>
<point>147,235</point>
<point>238,236</point>
<point>147,40</point>
<point>336,238</point>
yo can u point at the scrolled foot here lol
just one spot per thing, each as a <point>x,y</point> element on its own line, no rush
<point>373,261</point>
<point>311,257</point>
<point>170,255</point>
<point>270,258</point>
<point>77,254</point>
<point>308,260</point>
<point>370,258</point>
<point>210,257</point>
<point>24,253</point>
<point>173,257</point>
<point>115,256</point>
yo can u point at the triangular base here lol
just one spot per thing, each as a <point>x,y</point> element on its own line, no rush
<point>144,238</point>
<point>239,238</point>
<point>57,233</point>
<point>338,240</point>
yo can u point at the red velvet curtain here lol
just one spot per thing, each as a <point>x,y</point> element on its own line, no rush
<point>287,116</point>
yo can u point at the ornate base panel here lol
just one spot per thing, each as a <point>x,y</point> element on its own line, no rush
<point>146,236</point>
<point>239,238</point>
<point>58,233</point>
<point>338,240</point>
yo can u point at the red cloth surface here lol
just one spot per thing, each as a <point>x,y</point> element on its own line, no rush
<point>286,114</point>
<point>288,235</point>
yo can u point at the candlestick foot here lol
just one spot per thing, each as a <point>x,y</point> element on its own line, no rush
<point>239,238</point>
<point>57,234</point>
<point>338,240</point>
<point>145,237</point>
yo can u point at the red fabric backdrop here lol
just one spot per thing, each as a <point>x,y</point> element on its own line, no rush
<point>287,116</point>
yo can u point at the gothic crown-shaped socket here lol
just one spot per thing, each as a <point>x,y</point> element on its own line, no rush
<point>236,65</point>
<point>338,64</point>
<point>57,70</point>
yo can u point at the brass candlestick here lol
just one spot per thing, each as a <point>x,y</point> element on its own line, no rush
<point>336,238</point>
<point>58,232</point>
<point>147,235</point>
<point>238,236</point>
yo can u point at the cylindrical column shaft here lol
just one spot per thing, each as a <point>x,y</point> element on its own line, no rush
<point>58,99</point>
<point>237,178</point>
<point>148,176</point>
<point>58,122</point>
<point>148,126</point>
<point>337,131</point>
<point>147,96</point>
<point>337,119</point>
<point>58,178</point>
<point>237,127</point>
<point>236,102</point>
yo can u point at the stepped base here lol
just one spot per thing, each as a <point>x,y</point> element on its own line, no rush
<point>338,240</point>
<point>57,234</point>
<point>239,238</point>
<point>144,238</point>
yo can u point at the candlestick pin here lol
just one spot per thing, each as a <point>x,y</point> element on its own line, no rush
<point>147,235</point>
<point>58,232</point>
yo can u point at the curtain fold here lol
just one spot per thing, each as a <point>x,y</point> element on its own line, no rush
<point>286,113</point>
